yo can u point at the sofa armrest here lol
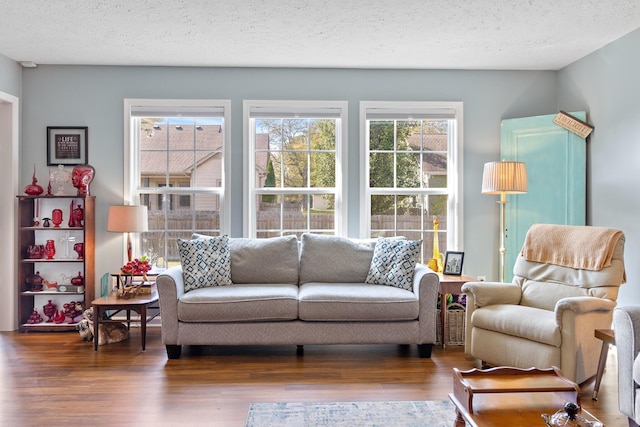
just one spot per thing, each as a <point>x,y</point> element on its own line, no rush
<point>626,324</point>
<point>425,286</point>
<point>170,288</point>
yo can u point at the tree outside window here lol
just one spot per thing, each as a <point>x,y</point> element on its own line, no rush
<point>295,156</point>
<point>411,173</point>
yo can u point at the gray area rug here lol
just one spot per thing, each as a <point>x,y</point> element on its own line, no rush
<point>352,414</point>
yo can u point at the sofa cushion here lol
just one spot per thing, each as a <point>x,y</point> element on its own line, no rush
<point>272,260</point>
<point>205,262</point>
<point>636,370</point>
<point>356,302</point>
<point>240,303</point>
<point>394,262</point>
<point>334,259</point>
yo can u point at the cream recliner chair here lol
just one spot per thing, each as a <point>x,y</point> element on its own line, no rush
<point>547,316</point>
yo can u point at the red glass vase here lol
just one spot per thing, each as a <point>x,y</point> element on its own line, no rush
<point>50,249</point>
<point>56,217</point>
<point>49,310</point>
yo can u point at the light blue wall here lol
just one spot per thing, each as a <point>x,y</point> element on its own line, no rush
<point>93,97</point>
<point>606,84</point>
<point>10,76</point>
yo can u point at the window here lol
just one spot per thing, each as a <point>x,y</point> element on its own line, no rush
<point>185,200</point>
<point>175,164</point>
<point>145,199</point>
<point>294,167</point>
<point>162,197</point>
<point>411,172</point>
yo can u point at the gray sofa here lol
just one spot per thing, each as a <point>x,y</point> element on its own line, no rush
<point>626,324</point>
<point>286,292</point>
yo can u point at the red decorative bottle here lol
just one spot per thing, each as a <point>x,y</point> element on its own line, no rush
<point>50,249</point>
<point>34,189</point>
<point>78,216</point>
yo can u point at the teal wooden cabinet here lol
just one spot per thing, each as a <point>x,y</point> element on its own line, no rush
<point>556,162</point>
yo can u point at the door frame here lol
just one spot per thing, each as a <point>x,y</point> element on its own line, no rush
<point>9,173</point>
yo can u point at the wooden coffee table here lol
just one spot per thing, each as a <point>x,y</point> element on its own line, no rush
<point>511,396</point>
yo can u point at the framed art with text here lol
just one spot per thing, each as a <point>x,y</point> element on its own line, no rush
<point>67,145</point>
<point>453,263</point>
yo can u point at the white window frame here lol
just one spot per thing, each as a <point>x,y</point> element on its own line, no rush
<point>454,189</point>
<point>293,107</point>
<point>132,151</point>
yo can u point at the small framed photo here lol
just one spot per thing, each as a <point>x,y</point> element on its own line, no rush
<point>67,145</point>
<point>453,263</point>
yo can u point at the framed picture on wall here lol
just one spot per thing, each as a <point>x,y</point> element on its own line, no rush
<point>453,263</point>
<point>67,145</point>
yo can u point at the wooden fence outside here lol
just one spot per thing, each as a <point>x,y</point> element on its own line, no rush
<point>268,223</point>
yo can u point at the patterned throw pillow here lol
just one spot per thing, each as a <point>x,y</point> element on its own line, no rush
<point>206,261</point>
<point>393,263</point>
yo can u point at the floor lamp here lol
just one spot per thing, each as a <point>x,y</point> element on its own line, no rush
<point>504,178</point>
<point>128,219</point>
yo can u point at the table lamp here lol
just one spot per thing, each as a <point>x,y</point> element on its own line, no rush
<point>128,219</point>
<point>504,178</point>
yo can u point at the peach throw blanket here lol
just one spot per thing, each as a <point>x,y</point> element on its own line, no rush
<point>585,248</point>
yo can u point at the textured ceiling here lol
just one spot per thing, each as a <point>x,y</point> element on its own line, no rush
<point>440,34</point>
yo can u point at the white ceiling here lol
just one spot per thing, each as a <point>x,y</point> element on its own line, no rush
<point>414,34</point>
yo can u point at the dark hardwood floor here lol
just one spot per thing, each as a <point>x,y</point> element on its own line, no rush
<point>57,379</point>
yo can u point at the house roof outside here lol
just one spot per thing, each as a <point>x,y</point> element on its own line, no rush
<point>434,163</point>
<point>208,141</point>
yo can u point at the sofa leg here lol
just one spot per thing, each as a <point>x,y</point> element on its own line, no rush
<point>424,350</point>
<point>174,351</point>
<point>300,350</point>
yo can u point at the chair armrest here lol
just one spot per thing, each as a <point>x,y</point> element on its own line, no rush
<point>626,324</point>
<point>480,294</point>
<point>582,305</point>
<point>170,288</point>
<point>576,319</point>
<point>491,293</point>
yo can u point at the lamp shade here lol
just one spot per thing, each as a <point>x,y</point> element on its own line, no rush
<point>504,177</point>
<point>127,219</point>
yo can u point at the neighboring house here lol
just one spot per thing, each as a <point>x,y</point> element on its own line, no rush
<point>199,166</point>
<point>434,163</point>
<point>188,166</point>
